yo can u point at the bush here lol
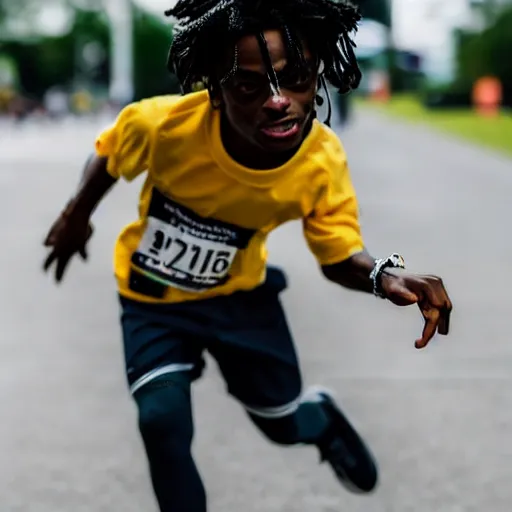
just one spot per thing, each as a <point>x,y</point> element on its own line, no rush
<point>445,96</point>
<point>486,54</point>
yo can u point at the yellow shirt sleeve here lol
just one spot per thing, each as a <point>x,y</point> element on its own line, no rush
<point>126,143</point>
<point>332,231</point>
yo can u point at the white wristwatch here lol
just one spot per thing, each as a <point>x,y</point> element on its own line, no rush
<point>395,260</point>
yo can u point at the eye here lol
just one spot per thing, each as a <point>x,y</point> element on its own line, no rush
<point>296,82</point>
<point>248,87</point>
<point>296,77</point>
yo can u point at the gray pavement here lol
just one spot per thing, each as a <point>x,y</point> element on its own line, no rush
<point>439,420</point>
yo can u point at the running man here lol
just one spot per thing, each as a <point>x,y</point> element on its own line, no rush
<point>223,167</point>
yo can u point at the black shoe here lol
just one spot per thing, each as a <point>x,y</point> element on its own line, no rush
<point>345,451</point>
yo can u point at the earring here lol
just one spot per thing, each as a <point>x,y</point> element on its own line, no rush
<point>319,100</point>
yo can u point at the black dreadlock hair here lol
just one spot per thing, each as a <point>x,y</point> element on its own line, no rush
<point>206,28</point>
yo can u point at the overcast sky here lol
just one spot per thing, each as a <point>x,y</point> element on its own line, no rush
<point>157,5</point>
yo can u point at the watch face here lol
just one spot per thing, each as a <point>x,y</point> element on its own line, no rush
<point>398,260</point>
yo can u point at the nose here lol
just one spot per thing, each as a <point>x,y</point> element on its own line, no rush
<point>277,104</point>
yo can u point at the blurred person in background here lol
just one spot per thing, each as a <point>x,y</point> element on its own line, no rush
<point>56,103</point>
<point>82,102</point>
<point>6,96</point>
<point>21,107</point>
<point>240,153</point>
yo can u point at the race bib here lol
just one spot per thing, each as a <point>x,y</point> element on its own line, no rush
<point>183,250</point>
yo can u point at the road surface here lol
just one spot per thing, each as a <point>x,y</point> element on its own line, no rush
<point>439,421</point>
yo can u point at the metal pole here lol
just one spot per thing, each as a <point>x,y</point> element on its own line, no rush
<point>121,23</point>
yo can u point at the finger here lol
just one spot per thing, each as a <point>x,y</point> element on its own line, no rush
<point>446,316</point>
<point>439,294</point>
<point>62,263</point>
<point>83,253</point>
<point>449,305</point>
<point>444,304</point>
<point>49,240</point>
<point>49,260</point>
<point>444,321</point>
<point>432,317</point>
<point>52,235</point>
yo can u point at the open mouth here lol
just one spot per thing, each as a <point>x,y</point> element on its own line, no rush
<point>282,130</point>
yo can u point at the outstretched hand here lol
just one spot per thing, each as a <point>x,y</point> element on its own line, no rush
<point>68,236</point>
<point>403,289</point>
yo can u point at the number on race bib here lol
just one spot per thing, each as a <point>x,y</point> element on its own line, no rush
<point>186,251</point>
<point>171,253</point>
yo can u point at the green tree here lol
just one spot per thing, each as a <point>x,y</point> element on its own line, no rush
<point>152,40</point>
<point>486,53</point>
<point>47,61</point>
<point>377,10</point>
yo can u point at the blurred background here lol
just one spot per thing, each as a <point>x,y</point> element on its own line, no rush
<point>420,57</point>
<point>429,142</point>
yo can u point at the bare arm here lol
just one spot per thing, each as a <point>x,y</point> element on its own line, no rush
<point>124,148</point>
<point>94,185</point>
<point>353,273</point>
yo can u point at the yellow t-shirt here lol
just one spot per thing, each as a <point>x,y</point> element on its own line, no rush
<point>204,218</point>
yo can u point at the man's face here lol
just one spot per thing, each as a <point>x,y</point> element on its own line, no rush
<point>266,120</point>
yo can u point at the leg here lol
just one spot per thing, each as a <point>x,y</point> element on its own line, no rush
<point>304,423</point>
<point>257,357</point>
<point>162,360</point>
<point>166,426</point>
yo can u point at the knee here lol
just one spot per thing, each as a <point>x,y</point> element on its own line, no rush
<point>165,411</point>
<point>282,431</point>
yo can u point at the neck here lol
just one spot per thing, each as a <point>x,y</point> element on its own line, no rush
<point>249,155</point>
